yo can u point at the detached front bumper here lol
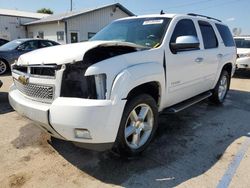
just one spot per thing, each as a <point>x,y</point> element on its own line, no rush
<point>243,63</point>
<point>101,118</point>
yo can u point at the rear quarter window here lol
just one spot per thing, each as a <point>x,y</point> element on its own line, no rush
<point>226,35</point>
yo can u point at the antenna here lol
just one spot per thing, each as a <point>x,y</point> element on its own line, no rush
<point>71,5</point>
<point>162,12</point>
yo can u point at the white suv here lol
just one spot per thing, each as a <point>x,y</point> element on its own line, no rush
<point>107,92</point>
<point>243,52</point>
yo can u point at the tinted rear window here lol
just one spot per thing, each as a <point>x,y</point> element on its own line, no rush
<point>208,35</point>
<point>225,35</point>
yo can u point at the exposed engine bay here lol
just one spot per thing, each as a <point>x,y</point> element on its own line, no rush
<point>75,84</point>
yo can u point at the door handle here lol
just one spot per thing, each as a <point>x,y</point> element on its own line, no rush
<point>199,60</point>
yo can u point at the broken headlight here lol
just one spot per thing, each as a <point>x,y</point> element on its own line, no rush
<point>75,84</point>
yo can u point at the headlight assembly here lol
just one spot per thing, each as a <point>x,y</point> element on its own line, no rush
<point>101,90</point>
<point>75,84</point>
<point>243,55</point>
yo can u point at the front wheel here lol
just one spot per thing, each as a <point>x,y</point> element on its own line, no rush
<point>221,88</point>
<point>3,67</point>
<point>138,125</point>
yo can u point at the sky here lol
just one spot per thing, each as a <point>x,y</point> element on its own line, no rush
<point>235,13</point>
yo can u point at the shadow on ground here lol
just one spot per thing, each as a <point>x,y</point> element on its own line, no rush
<point>186,145</point>
<point>242,74</point>
<point>4,103</point>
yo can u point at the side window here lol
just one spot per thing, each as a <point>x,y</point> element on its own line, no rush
<point>45,43</point>
<point>1,42</point>
<point>184,27</point>
<point>226,35</point>
<point>29,45</point>
<point>208,35</point>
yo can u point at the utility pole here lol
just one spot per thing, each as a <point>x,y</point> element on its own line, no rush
<point>71,6</point>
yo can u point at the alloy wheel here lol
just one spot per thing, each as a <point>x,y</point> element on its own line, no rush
<point>139,126</point>
<point>3,67</point>
<point>223,86</point>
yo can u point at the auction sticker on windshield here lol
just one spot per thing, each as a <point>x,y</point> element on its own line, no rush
<point>152,22</point>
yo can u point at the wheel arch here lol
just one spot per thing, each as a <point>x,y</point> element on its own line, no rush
<point>229,67</point>
<point>146,78</point>
<point>152,88</point>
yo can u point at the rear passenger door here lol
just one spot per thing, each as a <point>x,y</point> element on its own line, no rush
<point>211,53</point>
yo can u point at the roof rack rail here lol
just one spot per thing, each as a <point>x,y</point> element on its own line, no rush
<point>211,18</point>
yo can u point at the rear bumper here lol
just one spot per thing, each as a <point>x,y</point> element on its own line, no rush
<point>243,63</point>
<point>100,117</point>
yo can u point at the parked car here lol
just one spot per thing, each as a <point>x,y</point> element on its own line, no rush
<point>11,51</point>
<point>107,92</point>
<point>243,52</point>
<point>1,83</point>
<point>3,41</point>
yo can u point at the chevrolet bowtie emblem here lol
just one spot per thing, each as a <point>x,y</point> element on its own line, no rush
<point>23,80</point>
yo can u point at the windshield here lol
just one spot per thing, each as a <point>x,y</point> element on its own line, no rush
<point>242,43</point>
<point>11,45</point>
<point>148,32</point>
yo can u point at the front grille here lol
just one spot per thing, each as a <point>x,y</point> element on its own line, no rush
<point>42,93</point>
<point>38,70</point>
<point>43,71</point>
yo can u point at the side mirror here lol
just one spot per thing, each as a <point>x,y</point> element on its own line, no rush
<point>184,43</point>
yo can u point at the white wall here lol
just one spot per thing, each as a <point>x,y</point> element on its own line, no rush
<point>89,22</point>
<point>49,29</point>
<point>92,22</point>
<point>11,27</point>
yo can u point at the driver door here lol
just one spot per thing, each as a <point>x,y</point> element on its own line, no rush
<point>184,68</point>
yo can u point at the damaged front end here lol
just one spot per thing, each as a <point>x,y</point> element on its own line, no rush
<point>49,79</point>
<point>76,84</point>
<point>54,93</point>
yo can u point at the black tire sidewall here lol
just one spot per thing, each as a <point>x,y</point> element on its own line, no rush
<point>215,97</point>
<point>121,146</point>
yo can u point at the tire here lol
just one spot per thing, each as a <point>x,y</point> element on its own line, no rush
<point>221,88</point>
<point>3,67</point>
<point>138,126</point>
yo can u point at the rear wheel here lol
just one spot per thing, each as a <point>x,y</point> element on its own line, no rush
<point>221,88</point>
<point>138,126</point>
<point>3,67</point>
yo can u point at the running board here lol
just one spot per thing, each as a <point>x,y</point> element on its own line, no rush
<point>187,103</point>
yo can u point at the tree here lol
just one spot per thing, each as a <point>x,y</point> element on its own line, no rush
<point>236,31</point>
<point>45,11</point>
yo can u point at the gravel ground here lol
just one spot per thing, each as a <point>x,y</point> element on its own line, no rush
<point>193,148</point>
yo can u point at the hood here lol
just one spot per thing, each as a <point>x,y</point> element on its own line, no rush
<point>243,50</point>
<point>68,53</point>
